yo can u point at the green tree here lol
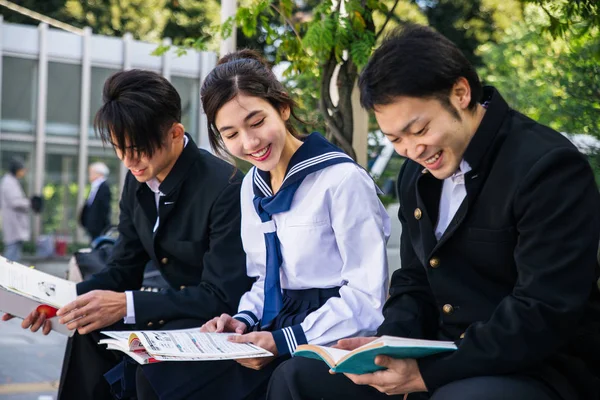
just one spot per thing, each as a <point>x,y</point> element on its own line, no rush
<point>567,17</point>
<point>149,20</point>
<point>327,43</point>
<point>51,8</point>
<point>466,23</point>
<point>191,19</point>
<point>553,80</point>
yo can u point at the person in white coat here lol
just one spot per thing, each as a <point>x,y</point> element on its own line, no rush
<point>14,208</point>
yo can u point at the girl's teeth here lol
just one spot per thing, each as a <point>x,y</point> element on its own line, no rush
<point>261,153</point>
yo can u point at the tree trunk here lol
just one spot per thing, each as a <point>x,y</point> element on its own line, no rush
<point>339,118</point>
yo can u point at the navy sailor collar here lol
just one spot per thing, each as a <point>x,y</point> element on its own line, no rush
<point>310,157</point>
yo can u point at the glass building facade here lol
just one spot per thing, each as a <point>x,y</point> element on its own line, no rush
<point>51,87</point>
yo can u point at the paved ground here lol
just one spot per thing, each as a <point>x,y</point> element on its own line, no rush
<point>31,363</point>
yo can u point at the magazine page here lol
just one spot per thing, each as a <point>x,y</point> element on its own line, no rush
<point>193,343</point>
<point>35,284</point>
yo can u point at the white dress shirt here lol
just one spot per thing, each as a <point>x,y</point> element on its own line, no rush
<point>453,194</point>
<point>334,235</point>
<point>153,184</point>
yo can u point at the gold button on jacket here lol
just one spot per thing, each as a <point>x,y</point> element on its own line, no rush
<point>434,262</point>
<point>150,324</point>
<point>418,213</point>
<point>448,309</point>
<point>164,260</point>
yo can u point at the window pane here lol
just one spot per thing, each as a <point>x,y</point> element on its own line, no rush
<point>19,94</point>
<point>188,91</point>
<point>59,216</point>
<point>99,76</point>
<point>64,93</point>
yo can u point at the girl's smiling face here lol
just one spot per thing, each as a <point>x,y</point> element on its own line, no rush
<point>253,130</point>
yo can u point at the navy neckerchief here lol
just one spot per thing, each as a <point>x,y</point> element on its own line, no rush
<point>313,155</point>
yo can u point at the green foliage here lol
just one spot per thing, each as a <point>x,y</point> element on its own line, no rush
<point>569,17</point>
<point>149,20</point>
<point>60,209</point>
<point>312,41</point>
<point>555,81</point>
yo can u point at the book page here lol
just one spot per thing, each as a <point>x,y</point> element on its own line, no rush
<point>407,342</point>
<point>36,285</point>
<point>334,354</point>
<point>192,342</point>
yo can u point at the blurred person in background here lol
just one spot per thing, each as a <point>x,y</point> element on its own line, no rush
<point>14,208</point>
<point>95,214</point>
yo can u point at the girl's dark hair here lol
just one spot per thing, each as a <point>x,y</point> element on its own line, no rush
<point>242,72</point>
<point>416,61</point>
<point>139,108</point>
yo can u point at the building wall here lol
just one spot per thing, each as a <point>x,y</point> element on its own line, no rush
<point>51,87</point>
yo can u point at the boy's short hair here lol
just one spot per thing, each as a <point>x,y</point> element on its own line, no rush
<point>416,61</point>
<point>139,107</point>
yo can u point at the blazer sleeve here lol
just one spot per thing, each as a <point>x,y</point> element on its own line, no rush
<point>557,219</point>
<point>224,278</point>
<point>126,265</point>
<point>410,310</point>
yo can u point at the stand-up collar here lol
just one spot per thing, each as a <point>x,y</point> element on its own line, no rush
<point>188,156</point>
<point>489,126</point>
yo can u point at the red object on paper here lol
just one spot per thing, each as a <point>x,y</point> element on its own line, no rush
<point>46,309</point>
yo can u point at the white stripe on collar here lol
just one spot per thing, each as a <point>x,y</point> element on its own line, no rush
<point>261,184</point>
<point>315,160</point>
<point>266,189</point>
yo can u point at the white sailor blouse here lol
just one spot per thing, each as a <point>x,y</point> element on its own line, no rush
<point>334,235</point>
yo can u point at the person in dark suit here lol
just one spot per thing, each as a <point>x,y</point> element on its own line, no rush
<point>500,225</point>
<point>180,208</point>
<point>95,214</point>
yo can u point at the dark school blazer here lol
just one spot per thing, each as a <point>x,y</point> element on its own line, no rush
<point>513,279</point>
<point>197,246</point>
<point>95,217</point>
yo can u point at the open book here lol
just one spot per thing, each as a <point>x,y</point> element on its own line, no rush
<point>179,345</point>
<point>24,289</point>
<point>362,359</point>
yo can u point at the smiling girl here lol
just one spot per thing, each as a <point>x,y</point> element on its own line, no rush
<point>313,229</point>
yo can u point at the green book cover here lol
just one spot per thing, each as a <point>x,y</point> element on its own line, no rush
<point>362,359</point>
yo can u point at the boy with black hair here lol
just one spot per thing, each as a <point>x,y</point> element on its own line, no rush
<point>180,208</point>
<point>500,225</point>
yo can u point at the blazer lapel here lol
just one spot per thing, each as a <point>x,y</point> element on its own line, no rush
<point>428,194</point>
<point>166,206</point>
<point>473,184</point>
<point>480,154</point>
<point>146,201</point>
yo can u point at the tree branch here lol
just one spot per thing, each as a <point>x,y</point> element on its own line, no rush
<point>274,7</point>
<point>387,19</point>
